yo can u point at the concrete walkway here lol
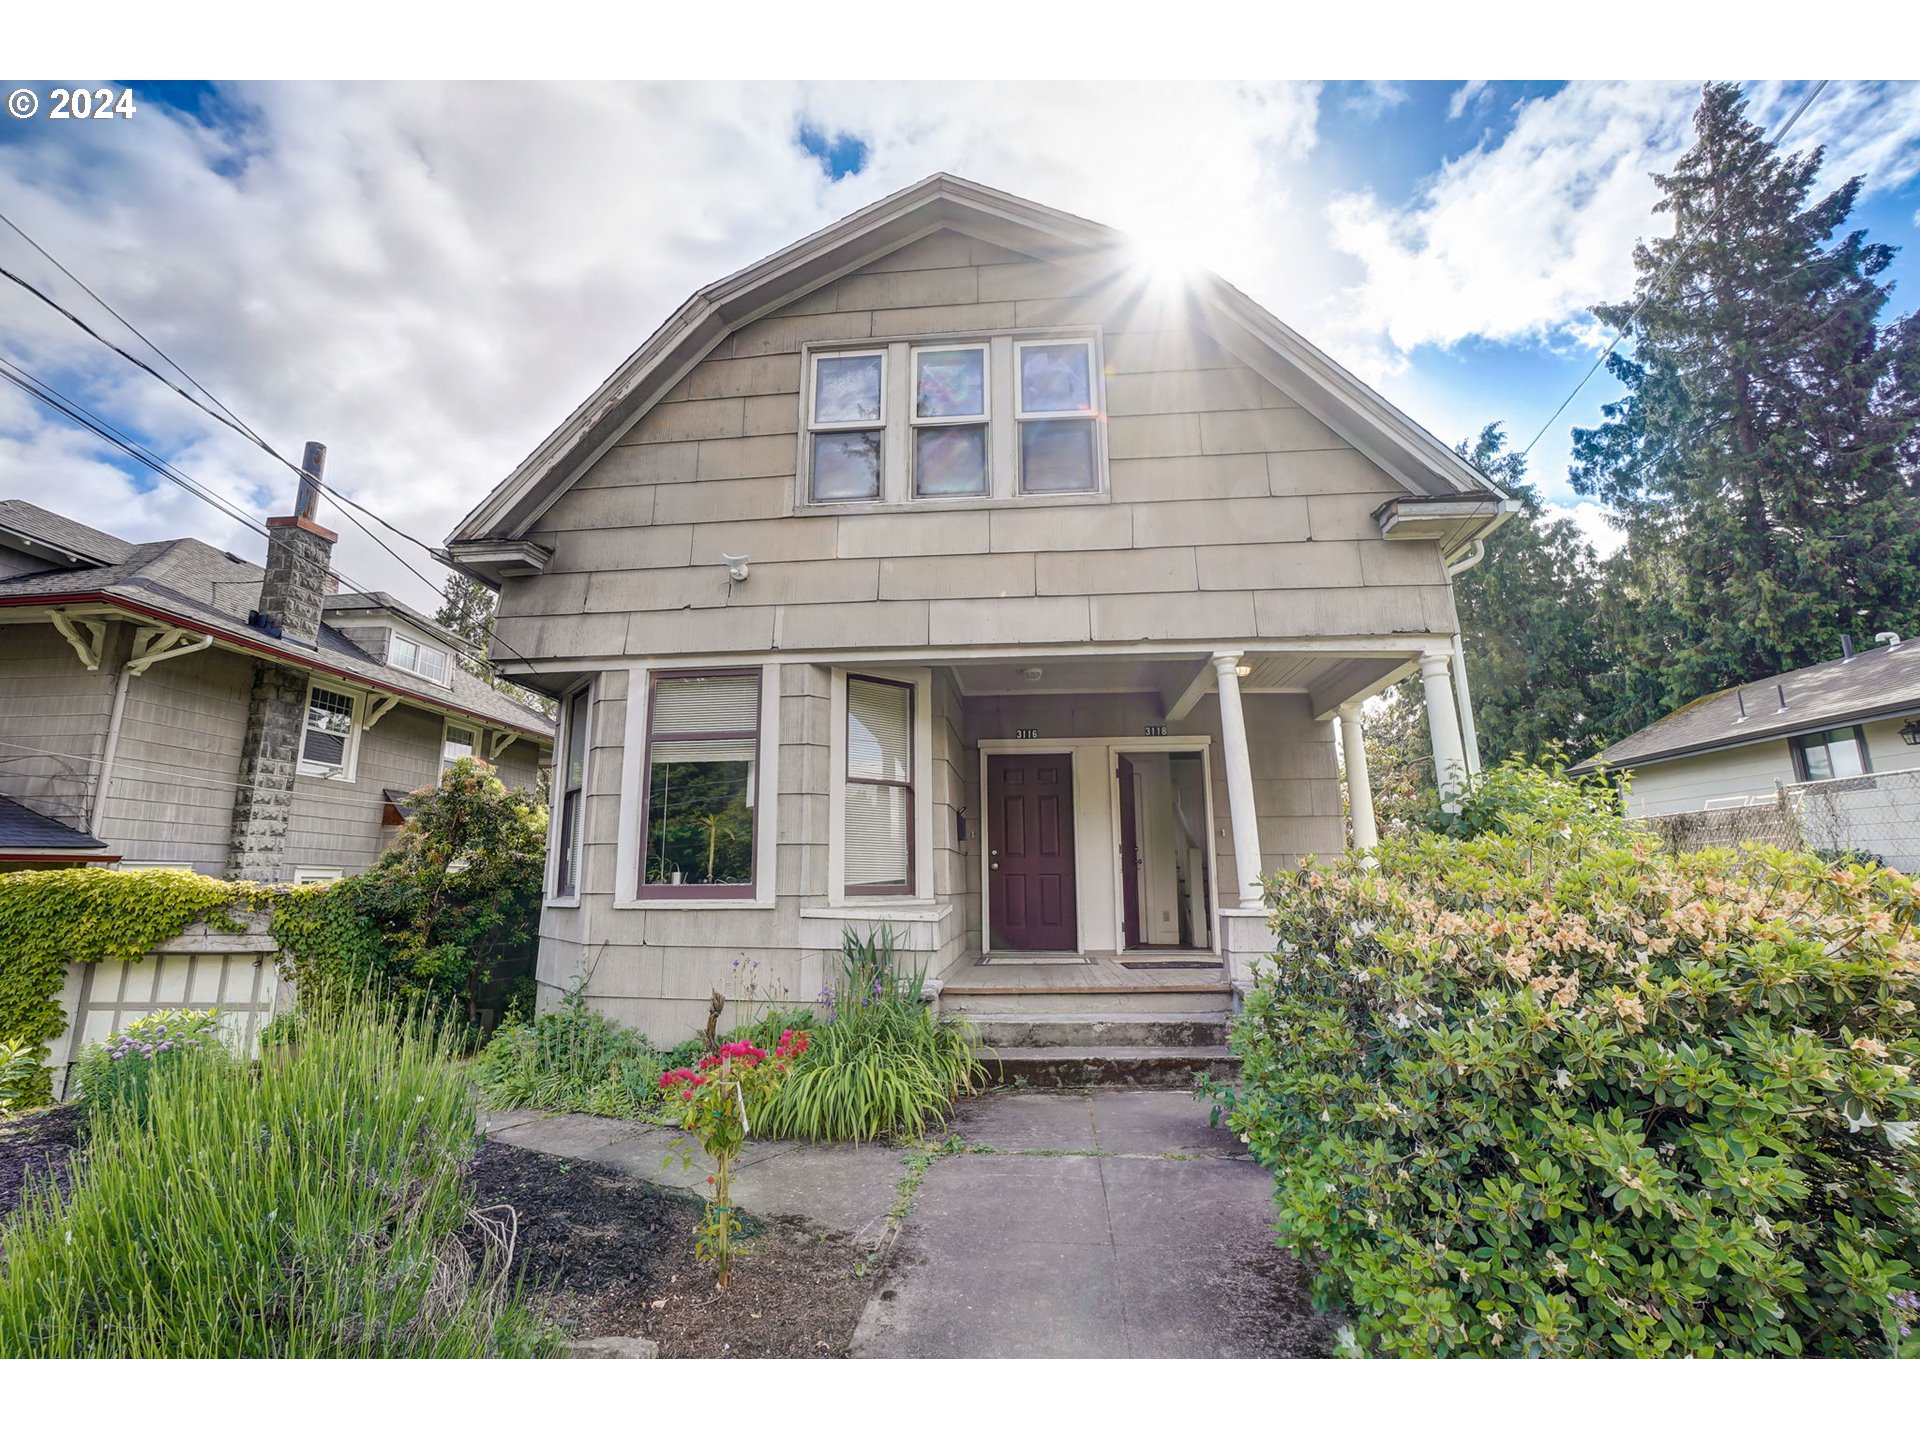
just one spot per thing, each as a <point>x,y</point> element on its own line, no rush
<point>1043,1224</point>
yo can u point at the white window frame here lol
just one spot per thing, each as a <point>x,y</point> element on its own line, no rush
<point>834,427</point>
<point>898,452</point>
<point>1092,414</point>
<point>349,769</point>
<point>921,679</point>
<point>557,795</point>
<point>476,749</point>
<point>629,848</point>
<point>917,422</point>
<point>420,647</point>
<point>313,874</point>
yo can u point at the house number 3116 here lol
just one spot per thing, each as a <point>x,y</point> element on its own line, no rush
<point>1026,733</point>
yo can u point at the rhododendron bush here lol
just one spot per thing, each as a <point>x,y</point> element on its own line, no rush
<point>1557,1091</point>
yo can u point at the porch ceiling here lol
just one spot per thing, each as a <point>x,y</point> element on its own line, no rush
<point>1328,678</point>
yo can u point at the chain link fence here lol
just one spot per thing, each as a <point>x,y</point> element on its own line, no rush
<point>1864,816</point>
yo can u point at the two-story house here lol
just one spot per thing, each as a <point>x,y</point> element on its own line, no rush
<point>950,571</point>
<point>170,704</point>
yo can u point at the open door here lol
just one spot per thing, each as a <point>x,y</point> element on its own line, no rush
<point>1130,857</point>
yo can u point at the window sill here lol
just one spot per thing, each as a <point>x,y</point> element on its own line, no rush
<point>325,775</point>
<point>653,904</point>
<point>563,902</point>
<point>883,907</point>
<point>957,502</point>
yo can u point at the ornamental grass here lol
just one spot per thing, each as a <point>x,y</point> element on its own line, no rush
<point>314,1206</point>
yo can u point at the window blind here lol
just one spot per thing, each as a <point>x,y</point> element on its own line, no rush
<point>877,834</point>
<point>879,732</point>
<point>700,704</point>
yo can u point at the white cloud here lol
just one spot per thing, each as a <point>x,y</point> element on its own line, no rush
<point>1515,240</point>
<point>1461,99</point>
<point>429,277</point>
<point>1592,523</point>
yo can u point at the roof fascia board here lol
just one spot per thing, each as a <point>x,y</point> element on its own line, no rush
<point>1909,706</point>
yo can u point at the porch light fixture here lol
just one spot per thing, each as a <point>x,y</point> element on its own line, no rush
<point>1243,671</point>
<point>1910,732</point>
<point>736,567</point>
<point>1032,672</point>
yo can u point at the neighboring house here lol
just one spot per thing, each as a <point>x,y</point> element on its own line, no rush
<point>1838,741</point>
<point>945,571</point>
<point>170,704</point>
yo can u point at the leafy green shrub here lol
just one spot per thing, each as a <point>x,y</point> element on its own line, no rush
<point>1517,793</point>
<point>313,1208</point>
<point>118,1072</point>
<point>20,1075</point>
<point>1552,1092</point>
<point>879,1063</point>
<point>571,1058</point>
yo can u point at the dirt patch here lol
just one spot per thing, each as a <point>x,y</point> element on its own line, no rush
<point>36,1145</point>
<point>609,1255</point>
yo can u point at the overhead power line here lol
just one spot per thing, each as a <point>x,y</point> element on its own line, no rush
<point>229,419</point>
<point>1621,333</point>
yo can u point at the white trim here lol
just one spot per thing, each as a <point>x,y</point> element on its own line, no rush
<point>812,426</point>
<point>556,796</point>
<point>420,647</point>
<point>314,874</point>
<point>766,823</point>
<point>982,420</point>
<point>347,771</point>
<point>1180,745</point>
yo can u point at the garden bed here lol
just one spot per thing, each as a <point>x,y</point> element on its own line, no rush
<point>39,1144</point>
<point>608,1255</point>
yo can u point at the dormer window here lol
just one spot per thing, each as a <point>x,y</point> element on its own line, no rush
<point>423,660</point>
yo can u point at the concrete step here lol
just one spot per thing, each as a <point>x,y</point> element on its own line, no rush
<point>1207,998</point>
<point>1163,1067</point>
<point>1099,1031</point>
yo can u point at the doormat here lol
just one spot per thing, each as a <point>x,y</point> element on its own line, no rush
<point>1171,964</point>
<point>1036,960</point>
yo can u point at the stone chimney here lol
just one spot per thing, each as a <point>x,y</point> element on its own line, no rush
<point>299,552</point>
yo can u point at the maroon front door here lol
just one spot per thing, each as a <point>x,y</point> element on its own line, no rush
<point>1030,853</point>
<point>1129,859</point>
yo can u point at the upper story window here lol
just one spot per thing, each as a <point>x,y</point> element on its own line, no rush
<point>1831,755</point>
<point>1005,417</point>
<point>703,742</point>
<point>1056,413</point>
<point>457,743</point>
<point>406,653</point>
<point>848,425</point>
<point>330,739</point>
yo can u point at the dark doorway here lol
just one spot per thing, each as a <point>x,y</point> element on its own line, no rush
<point>1030,874</point>
<point>1130,858</point>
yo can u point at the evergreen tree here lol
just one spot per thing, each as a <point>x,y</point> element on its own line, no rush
<point>467,609</point>
<point>1764,458</point>
<point>1527,622</point>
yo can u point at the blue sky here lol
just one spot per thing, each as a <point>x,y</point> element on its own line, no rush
<point>430,276</point>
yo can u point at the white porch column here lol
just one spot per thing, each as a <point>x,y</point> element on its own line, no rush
<point>1443,725</point>
<point>1353,745</point>
<point>1233,736</point>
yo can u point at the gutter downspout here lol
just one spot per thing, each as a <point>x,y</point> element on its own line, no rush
<point>104,776</point>
<point>1469,731</point>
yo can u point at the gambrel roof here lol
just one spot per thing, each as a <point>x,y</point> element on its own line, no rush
<point>1429,470</point>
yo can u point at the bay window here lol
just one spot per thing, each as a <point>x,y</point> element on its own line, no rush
<point>703,737</point>
<point>879,787</point>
